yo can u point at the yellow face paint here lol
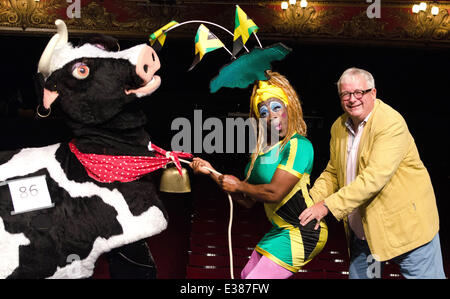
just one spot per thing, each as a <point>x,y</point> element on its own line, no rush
<point>266,91</point>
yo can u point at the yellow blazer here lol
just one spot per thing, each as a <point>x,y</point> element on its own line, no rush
<point>392,189</point>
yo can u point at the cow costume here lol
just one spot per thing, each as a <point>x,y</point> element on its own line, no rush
<point>97,204</point>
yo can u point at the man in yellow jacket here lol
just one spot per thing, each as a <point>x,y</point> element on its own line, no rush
<point>376,182</point>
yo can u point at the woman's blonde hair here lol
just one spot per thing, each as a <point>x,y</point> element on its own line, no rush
<point>296,123</point>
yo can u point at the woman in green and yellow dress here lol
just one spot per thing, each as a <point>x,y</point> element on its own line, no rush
<point>277,175</point>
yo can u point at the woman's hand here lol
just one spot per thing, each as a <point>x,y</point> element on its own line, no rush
<point>229,183</point>
<point>198,166</point>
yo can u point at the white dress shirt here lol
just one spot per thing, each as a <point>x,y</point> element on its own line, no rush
<point>354,218</point>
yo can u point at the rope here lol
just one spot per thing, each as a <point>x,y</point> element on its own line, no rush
<point>230,222</point>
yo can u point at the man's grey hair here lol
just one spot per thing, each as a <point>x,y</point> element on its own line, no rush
<point>353,71</point>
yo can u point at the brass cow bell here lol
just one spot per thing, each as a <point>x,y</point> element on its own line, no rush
<point>173,182</point>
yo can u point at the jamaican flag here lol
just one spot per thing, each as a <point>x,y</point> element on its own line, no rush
<point>205,42</point>
<point>243,28</point>
<point>158,37</point>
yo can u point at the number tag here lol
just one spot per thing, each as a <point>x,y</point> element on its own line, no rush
<point>29,194</point>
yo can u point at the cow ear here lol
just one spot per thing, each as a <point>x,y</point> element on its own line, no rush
<point>45,96</point>
<point>49,97</point>
<point>107,42</point>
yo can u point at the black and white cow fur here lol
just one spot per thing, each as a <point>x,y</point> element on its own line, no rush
<point>97,93</point>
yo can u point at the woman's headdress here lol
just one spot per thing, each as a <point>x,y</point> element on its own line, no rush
<point>242,71</point>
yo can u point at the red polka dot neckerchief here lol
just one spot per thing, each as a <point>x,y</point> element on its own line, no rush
<point>109,168</point>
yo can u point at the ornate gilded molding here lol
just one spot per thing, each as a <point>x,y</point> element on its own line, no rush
<point>30,15</point>
<point>344,20</point>
<point>427,26</point>
<point>303,22</point>
<point>27,13</point>
<point>361,27</point>
<point>96,17</point>
<point>326,19</point>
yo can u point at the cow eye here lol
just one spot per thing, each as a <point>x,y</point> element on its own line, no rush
<point>80,71</point>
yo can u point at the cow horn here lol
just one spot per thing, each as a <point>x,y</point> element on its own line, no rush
<point>60,38</point>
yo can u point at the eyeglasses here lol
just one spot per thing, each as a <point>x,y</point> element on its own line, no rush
<point>358,94</point>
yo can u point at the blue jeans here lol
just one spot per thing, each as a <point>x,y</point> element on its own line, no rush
<point>422,262</point>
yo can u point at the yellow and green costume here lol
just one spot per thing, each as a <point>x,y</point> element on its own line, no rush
<point>289,244</point>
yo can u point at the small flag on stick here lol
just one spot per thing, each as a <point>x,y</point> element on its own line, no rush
<point>205,42</point>
<point>158,37</point>
<point>243,28</point>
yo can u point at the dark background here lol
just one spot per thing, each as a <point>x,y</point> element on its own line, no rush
<point>413,80</point>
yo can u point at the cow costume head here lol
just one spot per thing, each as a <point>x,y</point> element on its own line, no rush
<point>83,79</point>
